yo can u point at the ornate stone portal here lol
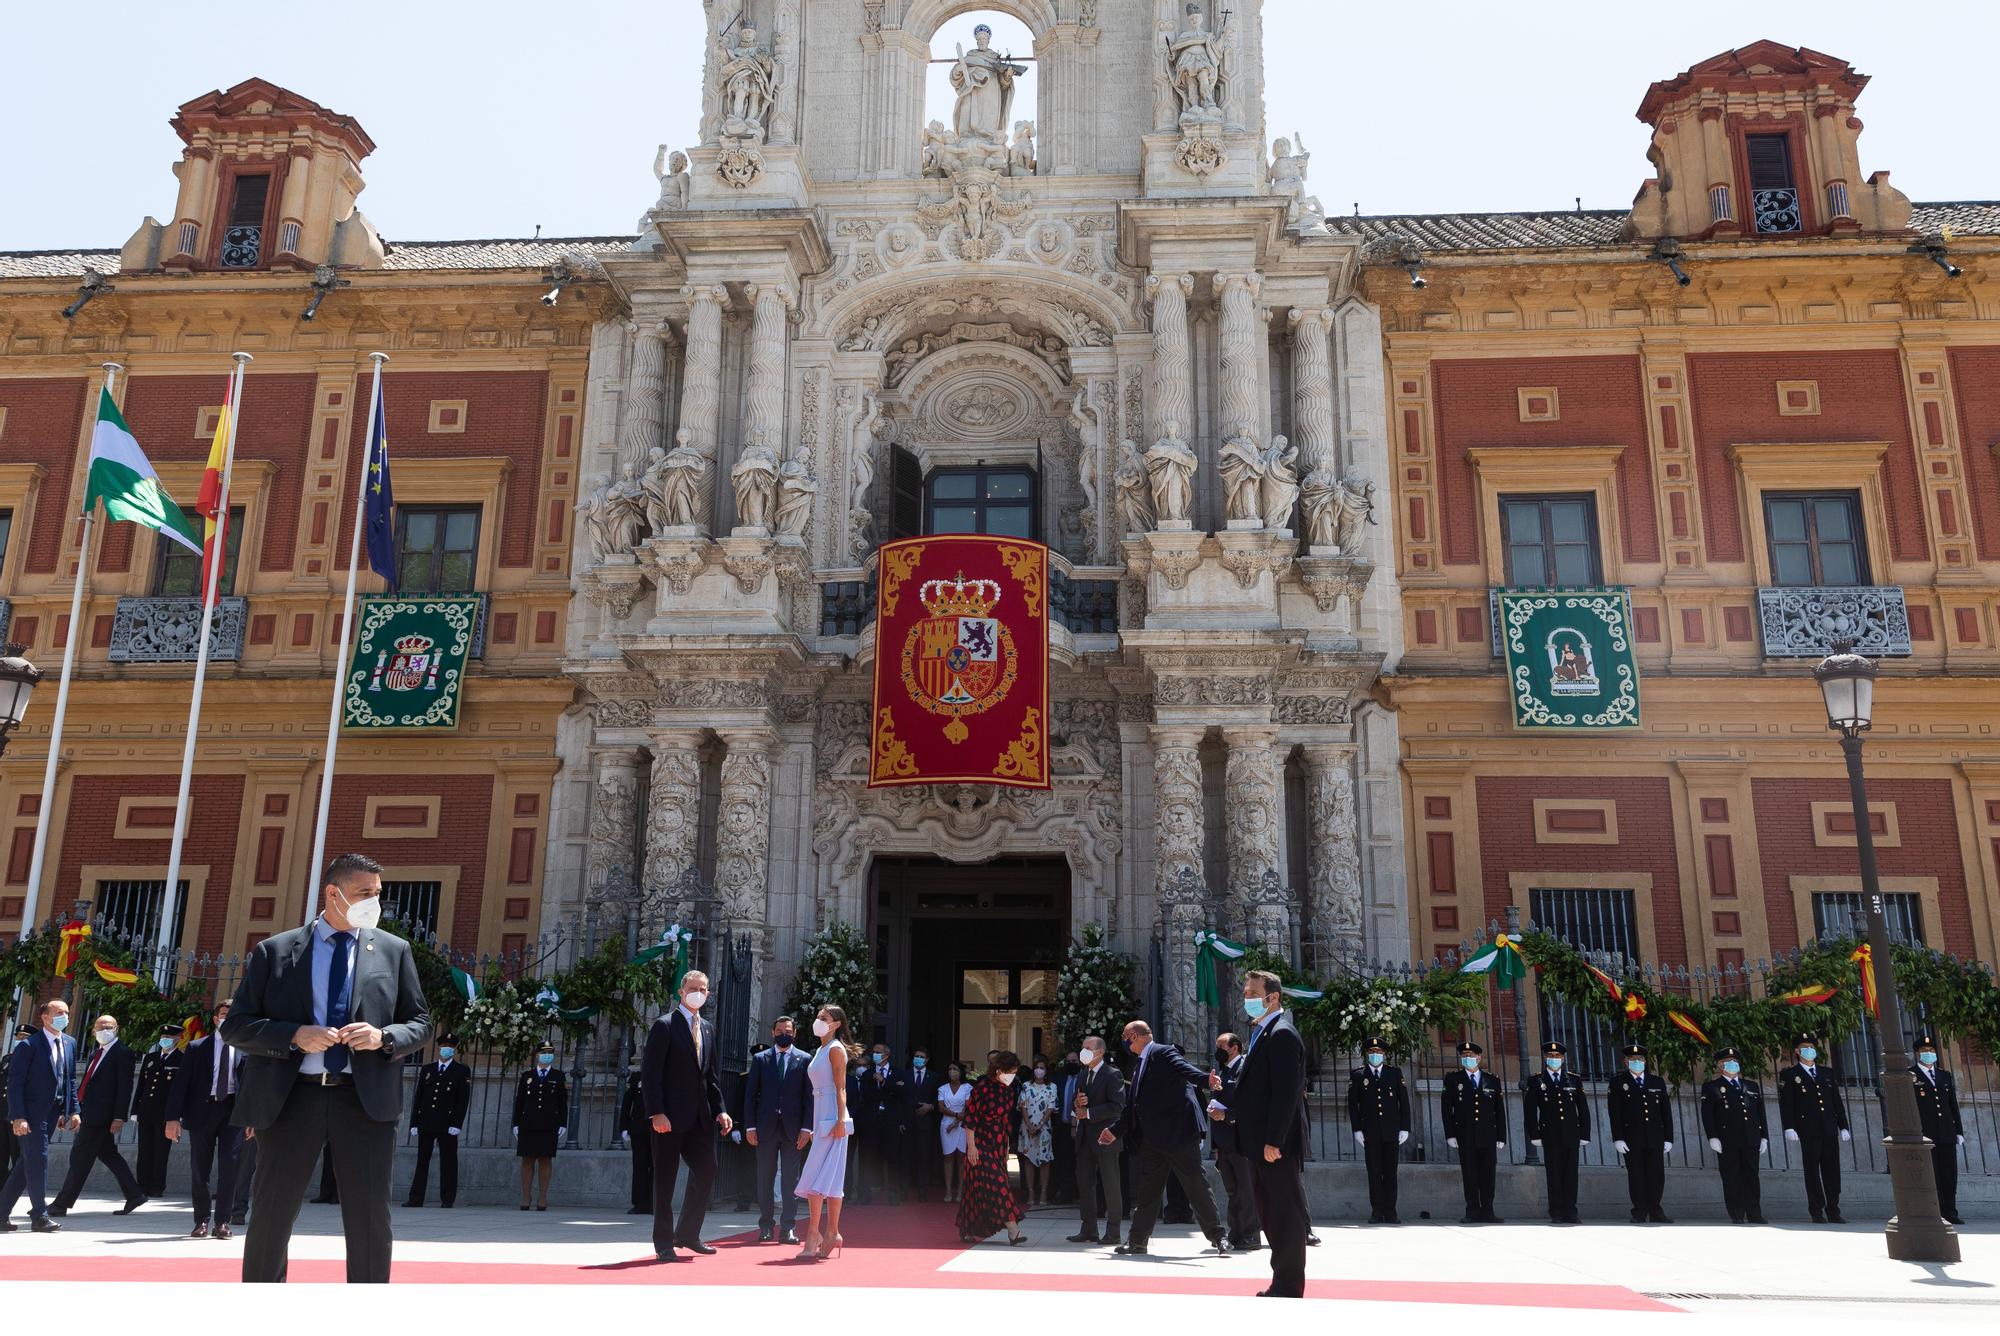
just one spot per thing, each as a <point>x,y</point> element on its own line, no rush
<point>990,286</point>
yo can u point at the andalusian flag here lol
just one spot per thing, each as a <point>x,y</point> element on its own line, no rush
<point>123,478</point>
<point>1500,959</point>
<point>467,986</point>
<point>212,505</point>
<point>1211,948</point>
<point>114,975</point>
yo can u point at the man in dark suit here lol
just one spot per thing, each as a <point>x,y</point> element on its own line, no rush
<point>1238,1184</point>
<point>41,1097</point>
<point>437,1118</point>
<point>1937,1110</point>
<point>326,1013</point>
<point>1814,1117</point>
<point>882,1105</point>
<point>678,1080</point>
<point>777,1113</point>
<point>201,1103</point>
<point>1164,1118</point>
<point>1732,1118</point>
<point>637,1132</point>
<point>1555,1111</point>
<point>1642,1128</point>
<point>1475,1125</point>
<point>103,1100</point>
<point>1269,1104</point>
<point>1378,1113</point>
<point>921,1161</point>
<point>1096,1102</point>
<point>155,1084</point>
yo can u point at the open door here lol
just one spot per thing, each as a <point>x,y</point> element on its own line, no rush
<point>906,494</point>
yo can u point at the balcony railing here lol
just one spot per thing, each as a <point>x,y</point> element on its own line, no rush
<point>168,630</point>
<point>1086,605</point>
<point>242,246</point>
<point>6,617</point>
<point>846,606</point>
<point>1803,621</point>
<point>1775,210</point>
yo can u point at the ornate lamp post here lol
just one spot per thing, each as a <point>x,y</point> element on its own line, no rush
<point>1916,1232</point>
<point>17,685</point>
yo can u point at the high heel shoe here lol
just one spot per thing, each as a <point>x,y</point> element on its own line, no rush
<point>810,1252</point>
<point>830,1248</point>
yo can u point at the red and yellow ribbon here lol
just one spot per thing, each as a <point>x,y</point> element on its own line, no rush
<point>1810,995</point>
<point>1635,1007</point>
<point>73,937</point>
<point>113,975</point>
<point>1864,956</point>
<point>1685,1024</point>
<point>1610,984</point>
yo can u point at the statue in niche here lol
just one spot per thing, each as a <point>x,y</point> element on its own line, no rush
<point>592,511</point>
<point>672,173</point>
<point>796,490</point>
<point>860,519</point>
<point>863,336</point>
<point>1194,66</point>
<point>652,482</point>
<point>1336,510</point>
<point>984,82</point>
<point>1281,483</point>
<point>1355,500</point>
<point>1241,465</point>
<point>1021,155</point>
<point>1135,492</point>
<point>1170,467</point>
<point>1287,179</point>
<point>755,479</point>
<point>621,512</point>
<point>747,76</point>
<point>684,490</point>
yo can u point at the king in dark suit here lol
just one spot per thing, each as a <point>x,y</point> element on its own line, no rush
<point>678,1078</point>
<point>157,1071</point>
<point>325,1014</point>
<point>1269,1106</point>
<point>437,1118</point>
<point>778,1118</point>
<point>41,1096</point>
<point>1163,1117</point>
<point>103,1100</point>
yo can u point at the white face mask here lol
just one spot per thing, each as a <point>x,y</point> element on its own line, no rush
<point>1006,1078</point>
<point>1041,1073</point>
<point>693,1001</point>
<point>364,913</point>
<point>107,1037</point>
<point>1089,1057</point>
<point>822,1027</point>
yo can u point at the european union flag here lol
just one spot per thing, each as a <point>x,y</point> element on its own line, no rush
<point>379,511</point>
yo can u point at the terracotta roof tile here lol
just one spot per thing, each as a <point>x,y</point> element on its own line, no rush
<point>513,253</point>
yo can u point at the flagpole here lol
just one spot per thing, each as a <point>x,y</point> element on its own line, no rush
<point>346,634</point>
<point>164,942</point>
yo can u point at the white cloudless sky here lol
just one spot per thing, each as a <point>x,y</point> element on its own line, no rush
<point>493,117</point>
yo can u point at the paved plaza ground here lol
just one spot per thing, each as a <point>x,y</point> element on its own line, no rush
<point>485,1264</point>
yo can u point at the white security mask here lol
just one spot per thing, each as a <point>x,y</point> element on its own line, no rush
<point>693,1001</point>
<point>1089,1057</point>
<point>107,1037</point>
<point>1005,1078</point>
<point>364,913</point>
<point>822,1027</point>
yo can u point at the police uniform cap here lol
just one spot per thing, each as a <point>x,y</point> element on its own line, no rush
<point>545,1047</point>
<point>171,1031</point>
<point>22,1032</point>
<point>1726,1052</point>
<point>1375,1041</point>
<point>1806,1038</point>
<point>1926,1040</point>
<point>1633,1051</point>
<point>1554,1049</point>
<point>1468,1047</point>
<point>452,1039</point>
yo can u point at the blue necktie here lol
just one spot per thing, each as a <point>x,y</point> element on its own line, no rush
<point>336,999</point>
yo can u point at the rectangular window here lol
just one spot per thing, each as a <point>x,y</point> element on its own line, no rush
<point>1815,538</point>
<point>129,911</point>
<point>177,574</point>
<point>1838,914</point>
<point>6,534</point>
<point>1774,195</point>
<point>981,500</point>
<point>1599,923</point>
<point>413,904</point>
<point>437,549</point>
<point>1550,540</point>
<point>243,230</point>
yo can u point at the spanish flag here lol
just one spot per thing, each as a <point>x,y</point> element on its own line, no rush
<point>115,976</point>
<point>73,937</point>
<point>1635,1007</point>
<point>191,1030</point>
<point>1610,984</point>
<point>1810,995</point>
<point>1864,956</point>
<point>212,504</point>
<point>1685,1024</point>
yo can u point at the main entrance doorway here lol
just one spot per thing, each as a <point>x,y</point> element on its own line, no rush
<point>968,955</point>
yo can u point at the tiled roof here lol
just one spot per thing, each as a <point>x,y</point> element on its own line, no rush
<point>1599,227</point>
<point>515,253</point>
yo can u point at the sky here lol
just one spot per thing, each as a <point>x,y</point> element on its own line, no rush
<point>495,117</point>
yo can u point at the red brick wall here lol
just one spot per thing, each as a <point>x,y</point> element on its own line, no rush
<point>1975,374</point>
<point>1928,847</point>
<point>89,837</point>
<point>464,809</point>
<point>277,419</point>
<point>1601,404</point>
<point>44,423</point>
<point>504,412</point>
<point>1861,399</point>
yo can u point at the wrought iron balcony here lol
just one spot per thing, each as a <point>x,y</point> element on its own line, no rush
<point>242,245</point>
<point>1803,621</point>
<point>168,630</point>
<point>846,606</point>
<point>6,616</point>
<point>1086,607</point>
<point>1775,210</point>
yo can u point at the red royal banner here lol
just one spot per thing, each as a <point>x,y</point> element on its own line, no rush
<point>961,663</point>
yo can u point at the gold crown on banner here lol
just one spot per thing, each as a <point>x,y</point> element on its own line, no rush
<point>413,644</point>
<point>960,597</point>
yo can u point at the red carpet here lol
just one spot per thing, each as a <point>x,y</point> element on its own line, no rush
<point>897,1247</point>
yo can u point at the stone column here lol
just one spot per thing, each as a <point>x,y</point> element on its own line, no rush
<point>1312,390</point>
<point>611,859</point>
<point>673,808</point>
<point>1177,864</point>
<point>701,374</point>
<point>646,393</point>
<point>764,418</point>
<point>1253,790</point>
<point>1333,857</point>
<point>1173,382</point>
<point>1241,332</point>
<point>743,847</point>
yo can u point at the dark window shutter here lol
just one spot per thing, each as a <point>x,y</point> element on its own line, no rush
<point>247,208</point>
<point>906,501</point>
<point>1770,162</point>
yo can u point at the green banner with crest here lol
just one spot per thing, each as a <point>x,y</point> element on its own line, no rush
<point>408,669</point>
<point>1569,659</point>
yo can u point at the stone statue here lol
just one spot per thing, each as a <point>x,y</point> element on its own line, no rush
<point>1170,467</point>
<point>755,479</point>
<point>1355,501</point>
<point>1021,156</point>
<point>796,490</point>
<point>593,512</point>
<point>984,82</point>
<point>863,336</point>
<point>653,483</point>
<point>1135,494</point>
<point>672,173</point>
<point>1320,498</point>
<point>937,143</point>
<point>623,518</point>
<point>1194,65</point>
<point>1281,483</point>
<point>1287,179</point>
<point>686,489</point>
<point>746,75</point>
<point>1241,465</point>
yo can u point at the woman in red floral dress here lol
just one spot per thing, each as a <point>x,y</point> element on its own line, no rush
<point>986,1204</point>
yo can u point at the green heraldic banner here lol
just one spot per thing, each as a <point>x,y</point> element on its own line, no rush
<point>1569,658</point>
<point>409,663</point>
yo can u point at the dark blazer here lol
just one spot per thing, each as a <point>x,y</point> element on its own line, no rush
<point>1733,1114</point>
<point>672,1082</point>
<point>1104,1089</point>
<point>1470,1119</point>
<point>33,1088</point>
<point>1937,1107</point>
<point>1378,1101</point>
<point>632,1109</point>
<point>1222,1135</point>
<point>1161,1108</point>
<point>109,1098</point>
<point>157,1071</point>
<point>1641,1114</point>
<point>1810,1105</point>
<point>443,1097</point>
<point>1269,1102</point>
<point>541,1103</point>
<point>274,1002</point>
<point>777,1098</point>
<point>188,1097</point>
<point>1556,1108</point>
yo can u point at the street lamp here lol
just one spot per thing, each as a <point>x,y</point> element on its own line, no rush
<point>1916,1232</point>
<point>17,684</point>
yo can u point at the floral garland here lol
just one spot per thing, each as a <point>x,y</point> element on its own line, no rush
<point>1095,992</point>
<point>836,968</point>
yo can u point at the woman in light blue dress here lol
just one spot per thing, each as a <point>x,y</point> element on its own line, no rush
<point>823,1177</point>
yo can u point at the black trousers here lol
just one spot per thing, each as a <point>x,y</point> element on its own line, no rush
<point>1560,1157</point>
<point>1183,1162</point>
<point>642,1167</point>
<point>1478,1159</point>
<point>213,1146</point>
<point>1742,1192</point>
<point>1380,1151</point>
<point>1281,1207</point>
<point>924,1165</point>
<point>1099,1194</point>
<point>315,1119</point>
<point>95,1145</point>
<point>1645,1178</point>
<point>446,1146</point>
<point>154,1152</point>
<point>778,1157</point>
<point>246,1180</point>
<point>1820,1158</point>
<point>1944,1163</point>
<point>1241,1192</point>
<point>695,1148</point>
<point>1062,1170</point>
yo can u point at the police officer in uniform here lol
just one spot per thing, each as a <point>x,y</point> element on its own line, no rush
<point>1937,1107</point>
<point>637,1130</point>
<point>1378,1112</point>
<point>1815,1118</point>
<point>437,1116</point>
<point>1732,1118</point>
<point>1642,1127</point>
<point>1556,1112</point>
<point>149,1109</point>
<point>1475,1125</point>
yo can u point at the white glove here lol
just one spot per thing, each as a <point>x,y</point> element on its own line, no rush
<point>1715,1144</point>
<point>1961,1138</point>
<point>1791,1134</point>
<point>1360,1138</point>
<point>561,1132</point>
<point>1533,1142</point>
<point>1584,1142</point>
<point>1669,1147</point>
<point>517,1133</point>
<point>1401,1137</point>
<point>626,1136</point>
<point>1501,1145</point>
<point>413,1134</point>
<point>454,1130</point>
<point>1452,1142</point>
<point>1763,1146</point>
<point>1845,1135</point>
<point>1623,1149</point>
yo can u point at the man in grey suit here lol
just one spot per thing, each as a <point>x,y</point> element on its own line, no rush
<point>1095,1105</point>
<point>324,1014</point>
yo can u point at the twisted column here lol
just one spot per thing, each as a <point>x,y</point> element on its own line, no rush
<point>764,418</point>
<point>701,377</point>
<point>1333,856</point>
<point>1312,389</point>
<point>1177,863</point>
<point>1254,794</point>
<point>1173,383</point>
<point>673,808</point>
<point>646,392</point>
<point>1242,339</point>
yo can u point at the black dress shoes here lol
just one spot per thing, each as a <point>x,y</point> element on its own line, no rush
<point>697,1246</point>
<point>1083,1238</point>
<point>788,1237</point>
<point>408,1204</point>
<point>1758,1220</point>
<point>43,1225</point>
<point>58,1212</point>
<point>765,1233</point>
<point>1835,1218</point>
<point>131,1204</point>
<point>1130,1250</point>
<point>1660,1218</point>
<point>200,1231</point>
<point>1218,1244</point>
<point>1819,1217</point>
<point>668,1256</point>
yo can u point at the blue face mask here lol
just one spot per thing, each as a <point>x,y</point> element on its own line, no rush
<point>59,1024</point>
<point>1732,1067</point>
<point>1636,1068</point>
<point>1927,1058</point>
<point>1377,1059</point>
<point>166,1044</point>
<point>545,1059</point>
<point>920,1063</point>
<point>1808,1053</point>
<point>447,1052</point>
<point>1553,1064</point>
<point>1470,1064</point>
<point>1253,1007</point>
